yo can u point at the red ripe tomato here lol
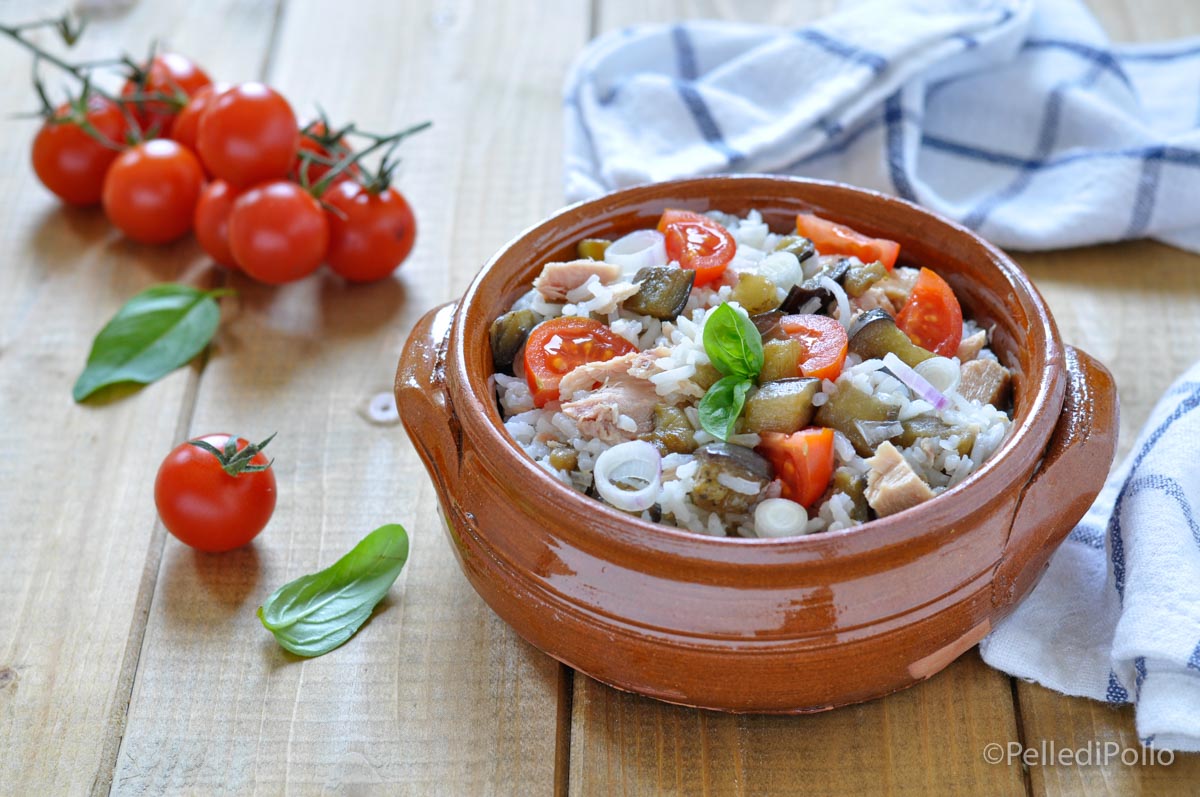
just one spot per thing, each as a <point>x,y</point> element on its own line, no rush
<point>370,233</point>
<point>697,242</point>
<point>837,239</point>
<point>803,462</point>
<point>312,171</point>
<point>169,74</point>
<point>824,340</point>
<point>72,163</point>
<point>248,134</point>
<point>151,190</point>
<point>205,506</point>
<point>932,316</point>
<point>278,232</point>
<point>187,122</point>
<point>556,347</point>
<point>211,222</point>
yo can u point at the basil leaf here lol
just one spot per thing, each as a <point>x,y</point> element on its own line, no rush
<point>314,614</point>
<point>733,343</point>
<point>157,331</point>
<point>722,405</point>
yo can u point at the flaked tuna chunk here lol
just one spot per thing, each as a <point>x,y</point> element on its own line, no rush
<point>559,279</point>
<point>891,292</point>
<point>970,347</point>
<point>985,381</point>
<point>892,484</point>
<point>613,391</point>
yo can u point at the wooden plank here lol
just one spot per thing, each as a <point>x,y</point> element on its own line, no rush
<point>1110,301</point>
<point>903,744</point>
<point>923,741</point>
<point>436,695</point>
<point>79,548</point>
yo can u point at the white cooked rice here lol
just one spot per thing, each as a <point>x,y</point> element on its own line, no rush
<point>936,460</point>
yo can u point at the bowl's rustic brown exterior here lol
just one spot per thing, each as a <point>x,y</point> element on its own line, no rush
<point>789,625</point>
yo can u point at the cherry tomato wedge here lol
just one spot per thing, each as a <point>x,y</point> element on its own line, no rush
<point>558,346</point>
<point>824,340</point>
<point>932,316</point>
<point>698,243</point>
<point>803,462</point>
<point>837,239</point>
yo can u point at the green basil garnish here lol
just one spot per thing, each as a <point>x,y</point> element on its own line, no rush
<point>734,346</point>
<point>722,405</point>
<point>733,343</point>
<point>157,331</point>
<point>314,614</point>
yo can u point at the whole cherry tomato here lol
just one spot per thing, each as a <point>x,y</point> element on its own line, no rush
<point>278,232</point>
<point>169,74</point>
<point>71,162</point>
<point>151,190</point>
<point>187,122</point>
<point>336,150</point>
<point>211,222</point>
<point>248,134</point>
<point>370,234</point>
<point>215,496</point>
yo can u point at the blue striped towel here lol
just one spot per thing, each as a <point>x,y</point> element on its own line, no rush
<point>1020,120</point>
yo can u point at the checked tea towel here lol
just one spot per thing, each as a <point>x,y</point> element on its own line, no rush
<point>1020,120</point>
<point>1016,118</point>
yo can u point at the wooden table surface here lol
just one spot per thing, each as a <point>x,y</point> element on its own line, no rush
<point>132,663</point>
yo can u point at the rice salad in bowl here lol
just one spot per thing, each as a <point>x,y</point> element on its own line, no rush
<point>717,376</point>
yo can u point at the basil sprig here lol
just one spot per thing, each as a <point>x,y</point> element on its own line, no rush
<point>157,331</point>
<point>734,346</point>
<point>316,613</point>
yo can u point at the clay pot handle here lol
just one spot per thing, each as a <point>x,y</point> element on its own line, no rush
<point>422,398</point>
<point>1070,475</point>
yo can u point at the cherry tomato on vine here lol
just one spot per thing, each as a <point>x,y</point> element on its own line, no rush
<point>211,222</point>
<point>370,234</point>
<point>337,150</point>
<point>187,122</point>
<point>248,134</point>
<point>169,74</point>
<point>71,162</point>
<point>215,496</point>
<point>151,190</point>
<point>278,232</point>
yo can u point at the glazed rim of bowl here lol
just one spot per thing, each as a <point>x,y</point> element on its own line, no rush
<point>600,527</point>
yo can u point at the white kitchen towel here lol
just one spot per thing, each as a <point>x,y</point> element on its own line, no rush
<point>1017,118</point>
<point>1117,615</point>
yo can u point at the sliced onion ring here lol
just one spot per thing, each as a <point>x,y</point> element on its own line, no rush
<point>779,517</point>
<point>636,461</point>
<point>640,249</point>
<point>941,372</point>
<point>915,381</point>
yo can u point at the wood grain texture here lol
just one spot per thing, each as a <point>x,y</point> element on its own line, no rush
<point>903,744</point>
<point>435,695</point>
<point>79,546</point>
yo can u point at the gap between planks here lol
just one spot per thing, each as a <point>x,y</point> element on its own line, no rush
<point>123,693</point>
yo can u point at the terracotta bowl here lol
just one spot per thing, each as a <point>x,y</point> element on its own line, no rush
<point>790,625</point>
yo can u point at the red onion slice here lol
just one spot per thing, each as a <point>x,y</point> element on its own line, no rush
<point>915,381</point>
